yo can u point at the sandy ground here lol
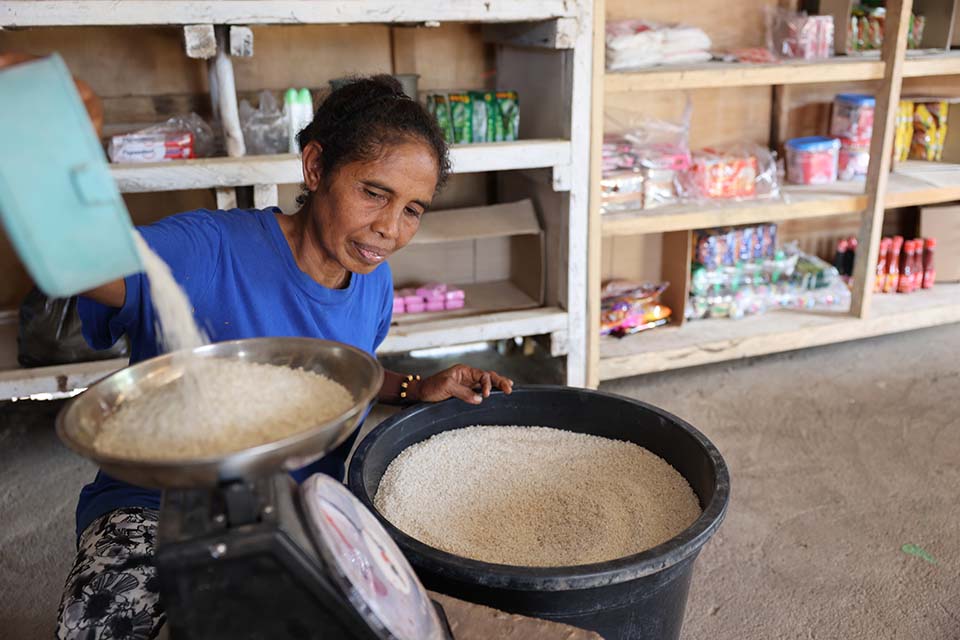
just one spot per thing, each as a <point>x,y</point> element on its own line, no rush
<point>839,457</point>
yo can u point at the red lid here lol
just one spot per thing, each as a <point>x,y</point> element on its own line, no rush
<point>852,242</point>
<point>930,243</point>
<point>885,243</point>
<point>842,245</point>
<point>897,242</point>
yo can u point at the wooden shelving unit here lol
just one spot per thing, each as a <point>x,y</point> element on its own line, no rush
<point>707,342</point>
<point>543,49</point>
<point>910,184</point>
<point>739,74</point>
<point>53,13</point>
<point>209,173</point>
<point>913,183</point>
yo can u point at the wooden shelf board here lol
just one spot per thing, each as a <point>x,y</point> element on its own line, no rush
<point>708,341</point>
<point>205,173</point>
<point>914,183</point>
<point>941,63</point>
<point>17,382</point>
<point>797,203</point>
<point>46,13</point>
<point>481,298</point>
<point>494,311</point>
<point>743,74</point>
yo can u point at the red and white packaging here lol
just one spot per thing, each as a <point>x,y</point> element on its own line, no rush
<point>152,147</point>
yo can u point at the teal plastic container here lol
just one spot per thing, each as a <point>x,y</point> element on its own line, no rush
<point>58,202</point>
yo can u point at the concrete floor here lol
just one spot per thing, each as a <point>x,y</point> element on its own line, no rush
<point>839,457</point>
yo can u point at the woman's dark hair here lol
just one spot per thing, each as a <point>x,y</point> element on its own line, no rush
<point>359,120</point>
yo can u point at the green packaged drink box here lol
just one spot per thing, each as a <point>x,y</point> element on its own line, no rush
<point>437,105</point>
<point>481,117</point>
<point>508,103</point>
<point>461,117</point>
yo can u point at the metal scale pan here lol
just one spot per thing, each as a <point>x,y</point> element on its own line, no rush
<point>79,423</point>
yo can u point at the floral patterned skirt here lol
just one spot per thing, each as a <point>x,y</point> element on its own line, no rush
<point>112,591</point>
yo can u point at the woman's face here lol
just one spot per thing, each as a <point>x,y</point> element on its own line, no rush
<point>367,210</point>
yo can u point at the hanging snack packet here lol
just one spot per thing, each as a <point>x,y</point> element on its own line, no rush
<point>509,109</point>
<point>461,117</point>
<point>437,105</point>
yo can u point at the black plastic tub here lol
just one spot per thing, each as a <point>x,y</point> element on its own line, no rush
<point>639,596</point>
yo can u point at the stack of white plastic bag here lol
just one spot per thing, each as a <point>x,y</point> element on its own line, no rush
<point>636,44</point>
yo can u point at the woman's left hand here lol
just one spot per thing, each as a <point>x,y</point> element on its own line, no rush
<point>460,381</point>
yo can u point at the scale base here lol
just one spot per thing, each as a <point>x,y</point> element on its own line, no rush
<point>259,578</point>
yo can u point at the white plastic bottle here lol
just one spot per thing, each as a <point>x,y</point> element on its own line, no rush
<point>305,101</point>
<point>292,110</point>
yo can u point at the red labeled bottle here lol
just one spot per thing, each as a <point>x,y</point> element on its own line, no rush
<point>893,265</point>
<point>917,265</point>
<point>840,256</point>
<point>882,265</point>
<point>929,273</point>
<point>907,260</point>
<point>850,257</point>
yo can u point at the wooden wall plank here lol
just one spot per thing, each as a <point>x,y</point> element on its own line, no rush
<point>729,24</point>
<point>718,116</point>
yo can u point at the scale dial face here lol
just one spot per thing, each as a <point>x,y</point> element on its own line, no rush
<point>367,564</point>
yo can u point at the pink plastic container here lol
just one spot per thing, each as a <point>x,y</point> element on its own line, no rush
<point>812,160</point>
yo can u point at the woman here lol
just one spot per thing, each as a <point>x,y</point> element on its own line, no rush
<point>373,160</point>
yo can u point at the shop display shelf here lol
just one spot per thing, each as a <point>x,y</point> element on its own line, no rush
<point>709,341</point>
<point>47,13</point>
<point>204,173</point>
<point>913,183</point>
<point>491,314</point>
<point>494,311</point>
<point>710,75</point>
<point>17,382</point>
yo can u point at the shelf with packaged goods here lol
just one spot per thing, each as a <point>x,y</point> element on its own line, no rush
<point>913,183</point>
<point>48,13</point>
<point>204,173</point>
<point>710,75</point>
<point>503,299</point>
<point>491,313</point>
<point>709,341</point>
<point>19,382</point>
<point>482,319</point>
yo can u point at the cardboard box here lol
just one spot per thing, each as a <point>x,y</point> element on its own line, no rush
<point>943,223</point>
<point>495,253</point>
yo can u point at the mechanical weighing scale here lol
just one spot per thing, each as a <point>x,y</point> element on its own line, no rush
<point>242,552</point>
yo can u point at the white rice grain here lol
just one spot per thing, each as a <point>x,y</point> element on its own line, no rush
<point>220,407</point>
<point>534,496</point>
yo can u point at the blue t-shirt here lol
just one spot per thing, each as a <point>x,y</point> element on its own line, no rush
<point>243,282</point>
